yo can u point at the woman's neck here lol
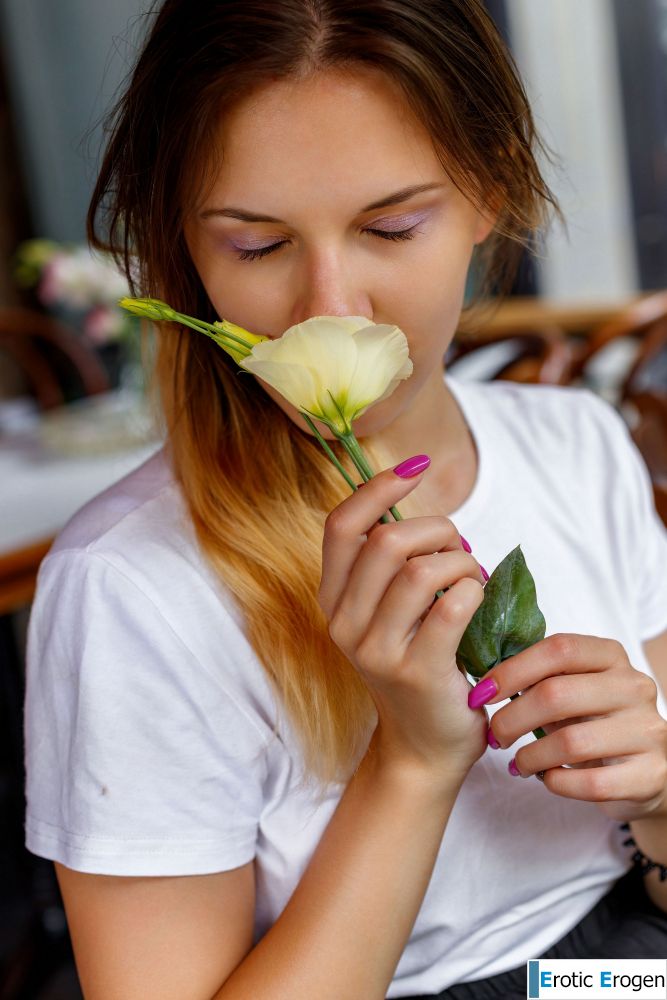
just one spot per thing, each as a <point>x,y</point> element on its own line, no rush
<point>436,427</point>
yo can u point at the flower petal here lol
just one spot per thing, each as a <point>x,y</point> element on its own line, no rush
<point>293,381</point>
<point>384,361</point>
<point>333,367</point>
<point>348,323</point>
<point>330,355</point>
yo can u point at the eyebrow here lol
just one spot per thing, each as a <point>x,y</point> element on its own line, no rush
<point>391,199</point>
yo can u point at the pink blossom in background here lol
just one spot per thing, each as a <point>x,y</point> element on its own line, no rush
<point>81,280</point>
<point>103,324</point>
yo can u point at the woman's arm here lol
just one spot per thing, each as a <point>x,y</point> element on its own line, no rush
<point>342,933</point>
<point>610,744</point>
<point>340,936</point>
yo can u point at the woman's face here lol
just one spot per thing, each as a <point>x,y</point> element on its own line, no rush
<point>309,169</point>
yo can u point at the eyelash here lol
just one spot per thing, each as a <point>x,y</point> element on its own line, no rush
<point>402,234</point>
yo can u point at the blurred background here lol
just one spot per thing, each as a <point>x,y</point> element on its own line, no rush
<point>591,310</point>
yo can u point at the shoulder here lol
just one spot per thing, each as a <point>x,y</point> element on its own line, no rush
<point>126,581</point>
<point>139,531</point>
<point>133,507</point>
<point>560,417</point>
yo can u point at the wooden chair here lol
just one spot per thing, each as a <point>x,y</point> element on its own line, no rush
<point>54,360</point>
<point>645,320</point>
<point>543,355</point>
<point>650,435</point>
<point>643,389</point>
<point>547,355</point>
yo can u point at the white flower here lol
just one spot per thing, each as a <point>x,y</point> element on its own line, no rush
<point>333,367</point>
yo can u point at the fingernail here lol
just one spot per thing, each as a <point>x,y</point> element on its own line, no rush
<point>482,692</point>
<point>412,466</point>
<point>513,769</point>
<point>491,740</point>
<point>466,545</point>
<point>484,573</point>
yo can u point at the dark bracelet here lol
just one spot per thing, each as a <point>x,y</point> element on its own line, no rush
<point>644,864</point>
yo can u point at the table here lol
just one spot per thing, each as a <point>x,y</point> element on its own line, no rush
<point>523,314</point>
<point>44,480</point>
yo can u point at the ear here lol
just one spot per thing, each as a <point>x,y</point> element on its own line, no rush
<point>487,219</point>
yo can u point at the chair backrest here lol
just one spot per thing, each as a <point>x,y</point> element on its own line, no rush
<point>54,359</point>
<point>547,355</point>
<point>537,356</point>
<point>645,320</point>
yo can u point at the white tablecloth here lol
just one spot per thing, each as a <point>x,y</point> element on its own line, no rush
<point>42,484</point>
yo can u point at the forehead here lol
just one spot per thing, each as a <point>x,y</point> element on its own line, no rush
<point>351,131</point>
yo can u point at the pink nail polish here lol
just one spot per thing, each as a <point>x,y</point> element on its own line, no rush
<point>412,466</point>
<point>491,740</point>
<point>513,769</point>
<point>465,544</point>
<point>483,692</point>
<point>484,573</point>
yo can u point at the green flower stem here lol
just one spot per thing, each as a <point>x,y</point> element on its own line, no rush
<point>215,333</point>
<point>344,473</point>
<point>355,452</point>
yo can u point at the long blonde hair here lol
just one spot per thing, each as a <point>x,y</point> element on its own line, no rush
<point>257,487</point>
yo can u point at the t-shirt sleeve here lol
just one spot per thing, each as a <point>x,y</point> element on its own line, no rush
<point>639,526</point>
<point>138,761</point>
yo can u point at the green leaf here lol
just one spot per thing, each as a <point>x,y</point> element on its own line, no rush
<point>506,622</point>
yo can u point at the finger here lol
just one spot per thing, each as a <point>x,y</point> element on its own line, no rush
<point>440,633</point>
<point>633,779</point>
<point>561,653</point>
<point>560,697</point>
<point>388,551</point>
<point>410,595</point>
<point>347,526</point>
<point>620,736</point>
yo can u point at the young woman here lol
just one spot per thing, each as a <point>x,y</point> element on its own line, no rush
<point>249,750</point>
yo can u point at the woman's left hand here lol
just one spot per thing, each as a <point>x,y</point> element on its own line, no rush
<point>600,716</point>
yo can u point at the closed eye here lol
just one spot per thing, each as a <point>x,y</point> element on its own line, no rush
<point>385,234</point>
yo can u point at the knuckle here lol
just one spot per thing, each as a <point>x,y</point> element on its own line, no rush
<point>457,604</point>
<point>449,530</point>
<point>617,650</point>
<point>419,570</point>
<point>597,784</point>
<point>370,658</point>
<point>466,564</point>
<point>563,646</point>
<point>552,691</point>
<point>336,522</point>
<point>646,686</point>
<point>334,631</point>
<point>575,743</point>
<point>388,538</point>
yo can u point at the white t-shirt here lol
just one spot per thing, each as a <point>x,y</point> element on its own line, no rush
<point>149,719</point>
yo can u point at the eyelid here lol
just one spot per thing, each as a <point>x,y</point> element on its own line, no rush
<point>392,223</point>
<point>398,222</point>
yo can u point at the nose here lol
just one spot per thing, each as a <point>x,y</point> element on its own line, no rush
<point>327,287</point>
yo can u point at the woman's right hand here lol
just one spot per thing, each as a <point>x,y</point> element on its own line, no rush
<point>377,590</point>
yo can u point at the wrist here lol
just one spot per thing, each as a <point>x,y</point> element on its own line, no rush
<point>415,774</point>
<point>648,835</point>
